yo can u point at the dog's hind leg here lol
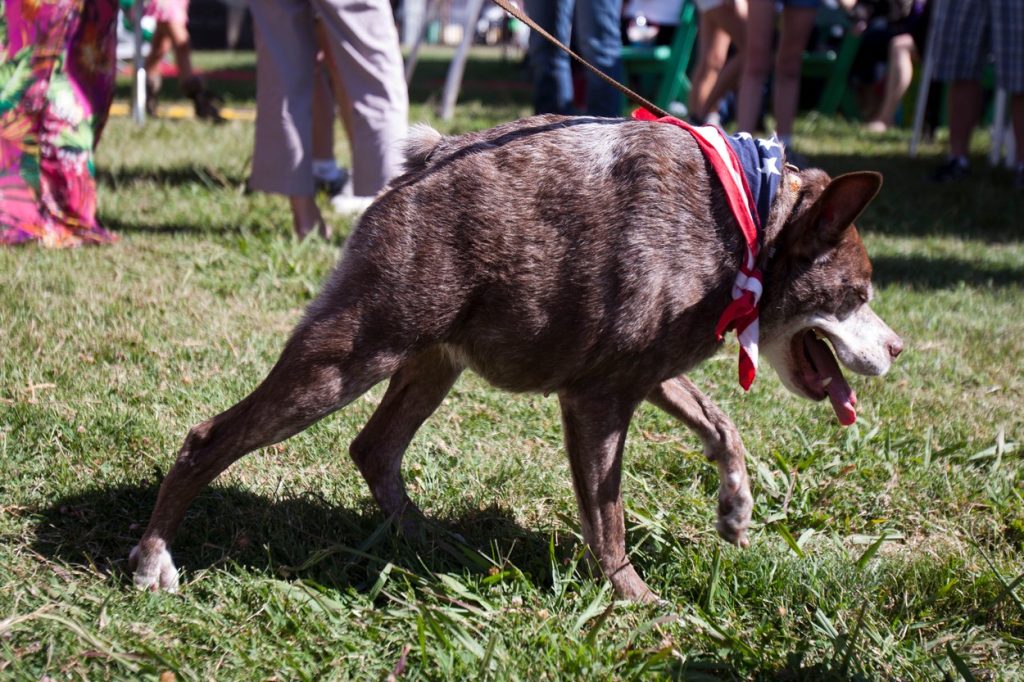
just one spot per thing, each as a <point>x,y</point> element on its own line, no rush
<point>722,445</point>
<point>319,372</point>
<point>595,432</point>
<point>415,391</point>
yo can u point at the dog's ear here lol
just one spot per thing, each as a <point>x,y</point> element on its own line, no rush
<point>834,211</point>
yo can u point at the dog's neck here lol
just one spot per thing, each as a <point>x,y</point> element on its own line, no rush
<point>782,207</point>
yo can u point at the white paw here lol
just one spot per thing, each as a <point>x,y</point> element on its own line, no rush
<point>154,571</point>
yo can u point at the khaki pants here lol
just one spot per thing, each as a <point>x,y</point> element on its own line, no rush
<point>365,61</point>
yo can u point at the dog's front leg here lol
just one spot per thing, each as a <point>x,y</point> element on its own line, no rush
<point>595,432</point>
<point>722,445</point>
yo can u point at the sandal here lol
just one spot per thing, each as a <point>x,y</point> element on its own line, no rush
<point>207,104</point>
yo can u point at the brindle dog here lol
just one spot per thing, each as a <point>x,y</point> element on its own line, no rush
<point>590,258</point>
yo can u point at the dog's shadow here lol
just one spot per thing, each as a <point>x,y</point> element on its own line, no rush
<point>310,538</point>
<point>305,537</point>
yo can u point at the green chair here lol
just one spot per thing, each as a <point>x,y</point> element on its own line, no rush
<point>833,67</point>
<point>666,63</point>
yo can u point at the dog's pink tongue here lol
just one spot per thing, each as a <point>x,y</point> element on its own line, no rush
<point>839,392</point>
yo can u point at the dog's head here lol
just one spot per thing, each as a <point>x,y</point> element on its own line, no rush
<point>818,290</point>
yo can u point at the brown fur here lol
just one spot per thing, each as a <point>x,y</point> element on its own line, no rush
<point>590,258</point>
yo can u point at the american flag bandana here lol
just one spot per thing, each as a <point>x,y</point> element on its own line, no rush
<point>750,172</point>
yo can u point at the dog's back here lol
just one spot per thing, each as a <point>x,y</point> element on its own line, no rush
<point>575,241</point>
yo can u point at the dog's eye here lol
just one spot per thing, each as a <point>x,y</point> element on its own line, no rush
<point>854,298</point>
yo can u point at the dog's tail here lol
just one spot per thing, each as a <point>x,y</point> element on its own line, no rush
<point>419,145</point>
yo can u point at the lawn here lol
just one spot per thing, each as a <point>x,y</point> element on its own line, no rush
<point>889,550</point>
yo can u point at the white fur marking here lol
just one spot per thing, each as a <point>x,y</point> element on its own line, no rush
<point>154,571</point>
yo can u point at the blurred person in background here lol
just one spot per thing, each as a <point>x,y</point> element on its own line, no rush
<point>328,176</point>
<point>599,37</point>
<point>722,24</point>
<point>365,64</point>
<point>966,31</point>
<point>172,33</point>
<point>797,21</point>
<point>907,24</point>
<point>56,83</point>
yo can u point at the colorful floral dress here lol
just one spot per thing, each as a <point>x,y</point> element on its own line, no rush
<point>57,73</point>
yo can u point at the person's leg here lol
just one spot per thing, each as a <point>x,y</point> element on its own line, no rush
<point>964,110</point>
<point>158,48</point>
<point>1017,119</point>
<point>366,63</point>
<point>306,217</point>
<point>329,177</point>
<point>323,115</point>
<point>175,14</point>
<point>182,50</point>
<point>552,77</point>
<point>797,23</point>
<point>1017,115</point>
<point>282,158</point>
<point>959,42</point>
<point>600,40</point>
<point>341,104</point>
<point>897,79</point>
<point>757,55</point>
<point>1008,48</point>
<point>715,74</point>
<point>735,24</point>
<point>712,50</point>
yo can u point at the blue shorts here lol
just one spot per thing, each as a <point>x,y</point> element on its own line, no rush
<point>801,4</point>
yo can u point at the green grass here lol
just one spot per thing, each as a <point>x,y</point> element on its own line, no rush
<point>890,550</point>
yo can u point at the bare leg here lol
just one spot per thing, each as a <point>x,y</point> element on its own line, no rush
<point>318,372</point>
<point>323,115</point>
<point>306,217</point>
<point>415,391</point>
<point>714,49</point>
<point>158,49</point>
<point>735,24</point>
<point>714,76</point>
<point>964,110</point>
<point>182,50</point>
<point>897,80</point>
<point>797,23</point>
<point>341,99</point>
<point>728,81</point>
<point>757,55</point>
<point>722,445</point>
<point>1017,119</point>
<point>595,432</point>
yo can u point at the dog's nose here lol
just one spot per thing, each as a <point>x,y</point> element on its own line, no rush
<point>895,347</point>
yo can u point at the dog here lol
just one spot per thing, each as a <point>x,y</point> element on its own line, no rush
<point>584,257</point>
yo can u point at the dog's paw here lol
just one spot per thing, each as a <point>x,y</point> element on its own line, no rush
<point>154,570</point>
<point>629,585</point>
<point>734,511</point>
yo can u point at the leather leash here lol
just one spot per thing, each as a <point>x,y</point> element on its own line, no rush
<point>521,16</point>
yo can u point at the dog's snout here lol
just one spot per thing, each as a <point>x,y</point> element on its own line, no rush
<point>895,347</point>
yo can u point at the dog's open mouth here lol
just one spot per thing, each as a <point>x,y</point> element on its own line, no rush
<point>818,371</point>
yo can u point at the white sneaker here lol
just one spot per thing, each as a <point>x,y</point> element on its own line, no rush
<point>349,205</point>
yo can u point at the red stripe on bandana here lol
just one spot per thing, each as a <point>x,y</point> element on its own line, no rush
<point>741,314</point>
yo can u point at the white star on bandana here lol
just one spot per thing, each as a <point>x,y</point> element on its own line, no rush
<point>770,165</point>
